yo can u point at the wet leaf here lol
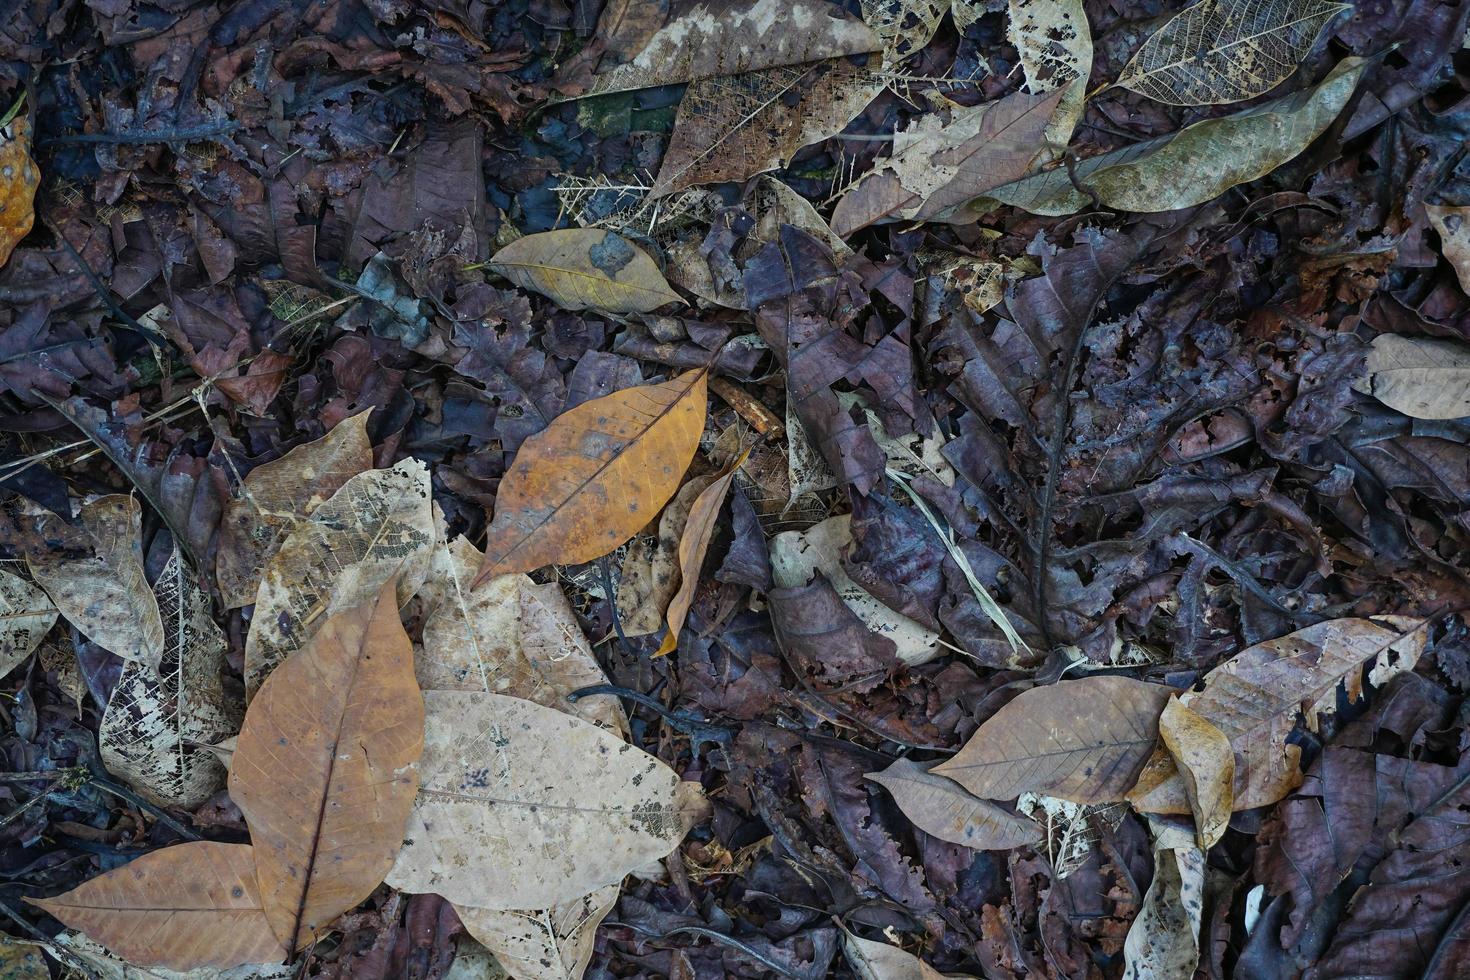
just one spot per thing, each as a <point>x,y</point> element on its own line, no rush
<point>26,616</point>
<point>943,808</point>
<point>551,944</point>
<point>19,178</point>
<point>585,269</point>
<point>694,542</point>
<point>1423,377</point>
<point>324,767</point>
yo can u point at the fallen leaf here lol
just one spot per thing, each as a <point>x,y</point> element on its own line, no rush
<point>1423,377</point>
<point>699,529</point>
<point>324,767</point>
<point>109,967</point>
<point>26,616</point>
<point>1221,51</point>
<point>1163,943</point>
<point>1083,741</point>
<point>550,944</point>
<point>522,806</point>
<point>594,477</point>
<point>1055,44</point>
<point>904,26</point>
<point>941,807</point>
<point>1453,225</point>
<point>19,178</point>
<point>650,574</point>
<point>1206,761</point>
<point>182,907</point>
<point>20,960</point>
<point>585,269</point>
<point>872,960</point>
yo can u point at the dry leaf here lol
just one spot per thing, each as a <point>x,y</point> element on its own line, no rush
<point>274,497</point>
<point>904,27</point>
<point>872,960</point>
<point>1163,941</point>
<point>380,524</point>
<point>595,476</point>
<point>585,269</point>
<point>22,960</point>
<point>699,529</point>
<point>324,767</point>
<point>1083,741</point>
<point>1453,225</point>
<point>156,722</point>
<point>26,616</point>
<point>650,574</point>
<point>19,178</point>
<point>1204,758</point>
<point>1221,51</point>
<point>551,944</point>
<point>182,907</point>
<point>1055,44</point>
<point>943,808</point>
<point>96,577</point>
<point>109,967</point>
<point>522,806</point>
<point>1423,377</point>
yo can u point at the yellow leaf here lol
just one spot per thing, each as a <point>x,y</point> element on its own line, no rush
<point>585,269</point>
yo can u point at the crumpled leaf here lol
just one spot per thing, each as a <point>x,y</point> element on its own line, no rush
<point>943,808</point>
<point>1453,225</point>
<point>19,178</point>
<point>324,767</point>
<point>694,542</point>
<point>1055,45</point>
<point>650,574</point>
<point>525,807</point>
<point>872,960</point>
<point>1221,51</point>
<point>26,616</point>
<point>585,269</point>
<point>1206,761</point>
<point>1423,377</point>
<point>1163,943</point>
<point>548,944</point>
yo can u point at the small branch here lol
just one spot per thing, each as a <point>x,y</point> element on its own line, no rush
<point>137,136</point>
<point>697,730</point>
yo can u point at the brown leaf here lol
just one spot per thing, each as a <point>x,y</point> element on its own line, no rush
<point>324,768</point>
<point>943,808</point>
<point>650,574</point>
<point>693,544</point>
<point>595,476</point>
<point>586,269</point>
<point>1204,758</point>
<point>1453,225</point>
<point>183,907</point>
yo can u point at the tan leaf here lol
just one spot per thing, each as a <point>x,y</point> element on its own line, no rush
<point>324,767</point>
<point>152,730</point>
<point>551,944</point>
<point>1423,377</point>
<point>1453,225</point>
<point>941,807</point>
<point>904,26</point>
<point>1163,943</point>
<point>1055,44</point>
<point>1225,51</point>
<point>1205,760</point>
<point>585,269</point>
<point>109,967</point>
<point>595,476</point>
<point>26,616</point>
<point>525,807</point>
<point>1083,741</point>
<point>96,577</point>
<point>650,574</point>
<point>872,960</point>
<point>274,497</point>
<point>380,524</point>
<point>694,541</point>
<point>182,907</point>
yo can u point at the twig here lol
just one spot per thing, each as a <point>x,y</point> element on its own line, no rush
<point>71,959</point>
<point>698,731</point>
<point>123,793</point>
<point>140,136</point>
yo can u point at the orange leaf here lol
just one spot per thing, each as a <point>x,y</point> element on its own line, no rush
<point>698,530</point>
<point>324,769</point>
<point>19,178</point>
<point>181,908</point>
<point>595,476</point>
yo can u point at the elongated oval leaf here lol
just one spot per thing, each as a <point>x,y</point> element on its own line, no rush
<point>183,907</point>
<point>586,269</point>
<point>26,615</point>
<point>547,944</point>
<point>595,476</point>
<point>693,544</point>
<point>324,767</point>
<point>872,960</point>
<point>943,808</point>
<point>1423,377</point>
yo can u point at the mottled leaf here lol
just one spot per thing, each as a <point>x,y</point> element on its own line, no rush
<point>586,269</point>
<point>549,944</point>
<point>26,616</point>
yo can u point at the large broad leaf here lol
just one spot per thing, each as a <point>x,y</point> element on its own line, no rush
<point>943,808</point>
<point>1197,163</point>
<point>26,615</point>
<point>548,944</point>
<point>1055,44</point>
<point>324,768</point>
<point>1226,50</point>
<point>183,907</point>
<point>526,807</point>
<point>1082,740</point>
<point>586,269</point>
<point>595,476</point>
<point>1423,377</point>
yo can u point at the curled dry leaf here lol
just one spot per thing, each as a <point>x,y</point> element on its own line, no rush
<point>943,808</point>
<point>96,577</point>
<point>156,723</point>
<point>1206,761</point>
<point>1453,225</point>
<point>324,767</point>
<point>586,269</point>
<point>549,944</point>
<point>379,525</point>
<point>872,960</point>
<point>182,907</point>
<point>650,575</point>
<point>1055,44</point>
<point>19,178</point>
<point>1083,741</point>
<point>699,529</point>
<point>525,807</point>
<point>275,496</point>
<point>26,616</point>
<point>1423,377</point>
<point>1163,943</point>
<point>595,476</point>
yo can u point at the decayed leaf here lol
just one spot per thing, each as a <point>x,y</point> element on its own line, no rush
<point>19,178</point>
<point>1453,225</point>
<point>380,524</point>
<point>693,543</point>
<point>773,204</point>
<point>872,960</point>
<point>522,806</point>
<point>26,616</point>
<point>551,944</point>
<point>277,495</point>
<point>943,808</point>
<point>109,967</point>
<point>324,767</point>
<point>96,578</point>
<point>183,907</point>
<point>1163,941</point>
<point>595,476</point>
<point>651,568</point>
<point>911,454</point>
<point>1255,699</point>
<point>1082,740</point>
<point>1195,164</point>
<point>1227,50</point>
<point>22,960</point>
<point>904,26</point>
<point>585,269</point>
<point>1423,377</point>
<point>1206,761</point>
<point>1055,45</point>
<point>154,725</point>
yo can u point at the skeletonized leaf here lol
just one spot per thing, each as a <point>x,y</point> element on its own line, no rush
<point>872,960</point>
<point>1226,50</point>
<point>1163,943</point>
<point>1423,377</point>
<point>693,543</point>
<point>26,616</point>
<point>549,944</point>
<point>1082,740</point>
<point>1195,164</point>
<point>1205,759</point>
<point>522,806</point>
<point>585,269</point>
<point>154,725</point>
<point>324,767</point>
<point>1453,225</point>
<point>904,26</point>
<point>277,495</point>
<point>380,524</point>
<point>943,808</point>
<point>1055,44</point>
<point>595,476</point>
<point>96,577</point>
<point>182,907</point>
